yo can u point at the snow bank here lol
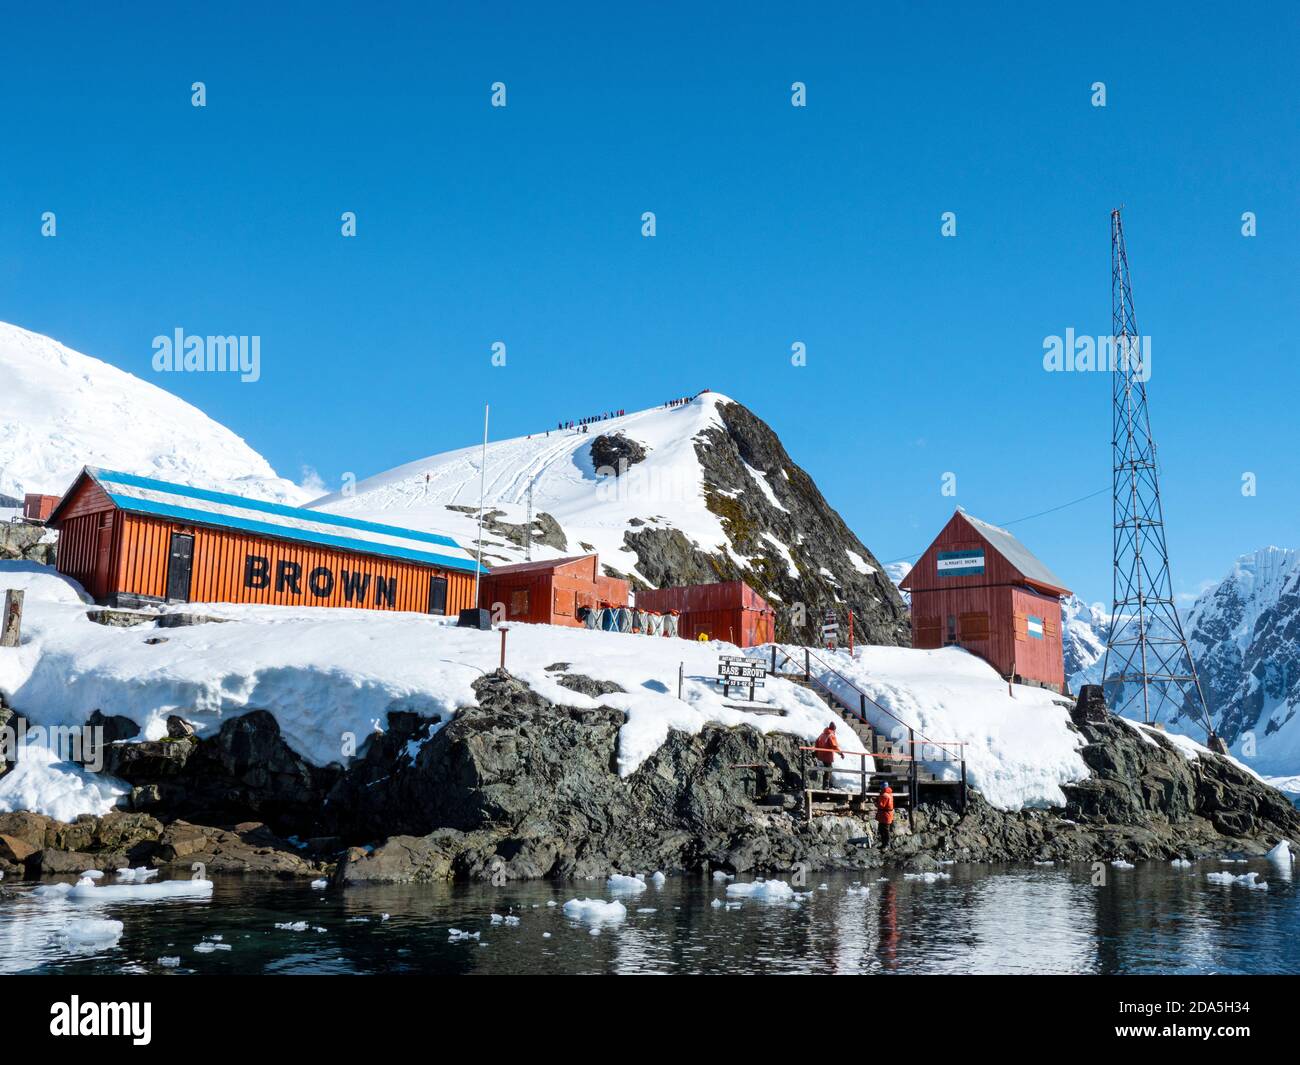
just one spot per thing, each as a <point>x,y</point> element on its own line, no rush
<point>328,674</point>
<point>42,783</point>
<point>1019,749</point>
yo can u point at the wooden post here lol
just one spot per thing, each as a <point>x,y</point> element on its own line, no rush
<point>681,677</point>
<point>807,666</point>
<point>773,658</point>
<point>503,647</point>
<point>11,621</point>
<point>912,781</point>
<point>963,778</point>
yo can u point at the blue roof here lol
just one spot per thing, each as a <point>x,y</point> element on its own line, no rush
<point>147,495</point>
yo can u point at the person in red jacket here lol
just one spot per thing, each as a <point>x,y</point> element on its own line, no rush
<point>885,814</point>
<point>828,749</point>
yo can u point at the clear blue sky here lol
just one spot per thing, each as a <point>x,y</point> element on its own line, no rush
<point>775,225</point>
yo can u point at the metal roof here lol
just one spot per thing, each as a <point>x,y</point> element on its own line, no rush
<point>1024,560</point>
<point>145,495</point>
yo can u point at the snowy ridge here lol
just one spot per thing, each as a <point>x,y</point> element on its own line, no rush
<point>61,410</point>
<point>664,489</point>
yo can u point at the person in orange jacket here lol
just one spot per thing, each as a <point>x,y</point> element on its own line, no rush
<point>885,814</point>
<point>828,749</point>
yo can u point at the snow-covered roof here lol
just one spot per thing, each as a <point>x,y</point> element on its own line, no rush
<point>1016,553</point>
<point>146,495</point>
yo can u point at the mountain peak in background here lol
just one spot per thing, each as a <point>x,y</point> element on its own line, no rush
<point>61,410</point>
<point>687,493</point>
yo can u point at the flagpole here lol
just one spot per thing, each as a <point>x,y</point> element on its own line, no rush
<point>482,481</point>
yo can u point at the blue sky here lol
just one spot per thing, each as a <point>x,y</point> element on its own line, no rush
<point>776,224</point>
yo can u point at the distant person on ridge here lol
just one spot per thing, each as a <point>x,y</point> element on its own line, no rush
<point>828,749</point>
<point>885,814</point>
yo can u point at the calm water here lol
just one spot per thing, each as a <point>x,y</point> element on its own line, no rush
<point>1038,919</point>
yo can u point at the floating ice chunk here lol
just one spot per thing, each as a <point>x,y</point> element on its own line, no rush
<point>862,889</point>
<point>595,911</point>
<point>594,930</point>
<point>292,926</point>
<point>927,878</point>
<point>93,874</point>
<point>319,885</point>
<point>1045,863</point>
<point>625,884</point>
<point>1246,880</point>
<point>52,890</point>
<point>716,904</point>
<point>1181,863</point>
<point>647,909</point>
<point>546,935</point>
<point>455,935</point>
<point>1281,854</point>
<point>720,875</point>
<point>658,879</point>
<point>823,887</point>
<point>509,919</point>
<point>208,946</point>
<point>169,963</point>
<point>85,890</point>
<point>1120,863</point>
<point>90,932</point>
<point>138,875</point>
<point>767,890</point>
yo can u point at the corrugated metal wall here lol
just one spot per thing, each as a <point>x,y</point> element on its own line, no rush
<point>729,595</point>
<point>280,572</point>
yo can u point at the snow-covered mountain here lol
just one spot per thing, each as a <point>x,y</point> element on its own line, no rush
<point>61,410</point>
<point>1245,636</point>
<point>1084,628</point>
<point>687,493</point>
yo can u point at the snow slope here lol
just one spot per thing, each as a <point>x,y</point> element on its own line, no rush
<point>61,410</point>
<point>664,489</point>
<point>327,673</point>
<point>1020,747</point>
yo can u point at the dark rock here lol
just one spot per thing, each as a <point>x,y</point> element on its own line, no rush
<point>178,728</point>
<point>587,685</point>
<point>20,541</point>
<point>614,452</point>
<point>113,727</point>
<point>816,536</point>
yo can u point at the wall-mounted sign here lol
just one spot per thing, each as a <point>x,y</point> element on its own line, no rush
<point>961,563</point>
<point>1035,626</point>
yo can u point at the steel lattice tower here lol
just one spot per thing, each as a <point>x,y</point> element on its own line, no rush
<point>1147,664</point>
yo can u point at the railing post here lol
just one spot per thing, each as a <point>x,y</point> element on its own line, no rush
<point>912,775</point>
<point>773,658</point>
<point>862,705</point>
<point>963,778</point>
<point>807,665</point>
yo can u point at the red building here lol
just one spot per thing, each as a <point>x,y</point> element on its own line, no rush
<point>980,588</point>
<point>552,592</point>
<point>730,611</point>
<point>37,508</point>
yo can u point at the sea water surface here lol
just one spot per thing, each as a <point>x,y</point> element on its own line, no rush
<point>1154,918</point>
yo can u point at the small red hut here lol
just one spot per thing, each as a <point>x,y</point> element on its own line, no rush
<point>730,611</point>
<point>552,592</point>
<point>980,588</point>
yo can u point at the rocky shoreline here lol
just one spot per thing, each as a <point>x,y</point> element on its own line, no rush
<point>518,787</point>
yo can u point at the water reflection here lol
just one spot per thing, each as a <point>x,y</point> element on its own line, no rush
<point>1154,918</point>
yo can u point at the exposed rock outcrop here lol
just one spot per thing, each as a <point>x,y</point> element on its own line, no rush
<point>21,541</point>
<point>827,566</point>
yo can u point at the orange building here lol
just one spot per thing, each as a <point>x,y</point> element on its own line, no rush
<point>553,592</point>
<point>730,610</point>
<point>132,541</point>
